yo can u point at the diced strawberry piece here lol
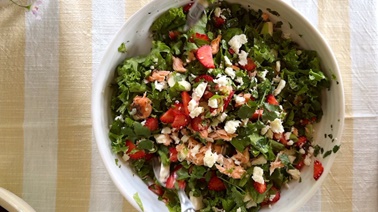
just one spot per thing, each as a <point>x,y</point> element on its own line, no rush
<point>257,114</point>
<point>318,169</point>
<point>185,102</point>
<point>187,7</point>
<point>250,65</point>
<point>181,184</point>
<point>283,140</point>
<point>133,153</point>
<point>180,121</point>
<point>152,123</point>
<point>173,154</point>
<point>157,189</point>
<point>207,95</point>
<point>300,165</point>
<point>231,51</point>
<point>198,124</point>
<point>261,188</point>
<point>301,141</point>
<point>200,36</point>
<point>219,21</point>
<point>168,117</point>
<point>173,35</point>
<point>170,181</point>
<point>272,100</point>
<point>205,56</point>
<point>216,184</point>
<point>277,195</point>
<point>204,77</point>
<point>228,100</point>
<point>178,108</point>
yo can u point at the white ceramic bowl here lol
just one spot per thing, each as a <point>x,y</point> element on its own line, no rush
<point>135,33</point>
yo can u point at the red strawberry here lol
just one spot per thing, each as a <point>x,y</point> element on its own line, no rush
<point>301,141</point>
<point>133,153</point>
<point>272,100</point>
<point>199,36</point>
<point>283,140</point>
<point>157,189</point>
<point>318,169</point>
<point>198,124</point>
<point>261,188</point>
<point>180,121</point>
<point>187,7</point>
<point>300,164</point>
<point>250,65</point>
<point>228,100</point>
<point>205,56</point>
<point>173,35</point>
<point>178,108</point>
<point>207,95</point>
<point>185,102</point>
<point>277,195</point>
<point>173,154</point>
<point>231,51</point>
<point>204,77</point>
<point>219,21</point>
<point>171,181</point>
<point>216,184</point>
<point>168,117</point>
<point>152,123</point>
<point>257,114</point>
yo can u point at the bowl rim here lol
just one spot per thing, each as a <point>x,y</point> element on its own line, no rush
<point>99,85</point>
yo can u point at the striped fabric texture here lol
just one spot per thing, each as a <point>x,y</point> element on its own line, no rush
<point>48,155</point>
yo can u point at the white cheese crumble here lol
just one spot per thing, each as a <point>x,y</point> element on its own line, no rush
<point>185,138</point>
<point>171,80</point>
<point>239,100</point>
<point>196,201</point>
<point>295,173</point>
<point>279,88</point>
<point>222,80</point>
<point>195,150</point>
<point>125,157</point>
<point>290,142</point>
<point>230,72</point>
<point>243,58</point>
<point>192,105</point>
<point>302,151</point>
<point>278,66</point>
<point>162,138</point>
<point>213,103</point>
<point>264,130</point>
<point>263,74</point>
<point>160,85</point>
<point>227,61</point>
<point>238,210</point>
<point>210,158</point>
<point>276,126</point>
<point>222,117</point>
<point>237,41</point>
<point>196,112</point>
<point>239,80</point>
<point>287,135</point>
<point>199,91</point>
<point>231,126</point>
<point>258,175</point>
<point>120,117</point>
<point>307,160</point>
<point>166,130</point>
<point>217,12</point>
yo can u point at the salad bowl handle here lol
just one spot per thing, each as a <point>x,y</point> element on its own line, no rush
<point>186,204</point>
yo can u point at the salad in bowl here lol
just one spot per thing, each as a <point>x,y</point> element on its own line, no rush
<point>229,109</point>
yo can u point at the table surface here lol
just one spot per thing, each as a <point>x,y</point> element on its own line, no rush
<point>47,64</point>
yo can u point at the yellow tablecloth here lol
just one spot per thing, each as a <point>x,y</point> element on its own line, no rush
<point>47,152</point>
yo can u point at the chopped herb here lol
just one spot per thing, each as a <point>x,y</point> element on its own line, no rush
<point>138,201</point>
<point>273,12</point>
<point>336,148</point>
<point>328,153</point>
<point>122,48</point>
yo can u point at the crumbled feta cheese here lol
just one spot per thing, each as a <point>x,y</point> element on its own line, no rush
<point>162,138</point>
<point>227,61</point>
<point>175,137</point>
<point>166,130</point>
<point>133,111</point>
<point>164,173</point>
<point>238,210</point>
<point>291,158</point>
<point>160,85</point>
<point>279,88</point>
<point>231,126</point>
<point>230,72</point>
<point>290,142</point>
<point>199,91</point>
<point>196,112</point>
<point>295,173</point>
<point>143,122</point>
<point>287,135</point>
<point>125,157</point>
<point>239,100</point>
<point>210,158</point>
<point>302,151</point>
<point>307,160</point>
<point>195,150</point>
<point>276,126</point>
<point>239,80</point>
<point>222,117</point>
<point>185,84</point>
<point>264,130</point>
<point>263,74</point>
<point>171,80</point>
<point>258,175</point>
<point>192,105</point>
<point>311,150</point>
<point>185,138</point>
<point>120,117</point>
<point>217,12</point>
<point>196,201</point>
<point>222,80</point>
<point>213,103</point>
<point>237,41</point>
<point>277,79</point>
<point>243,58</point>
